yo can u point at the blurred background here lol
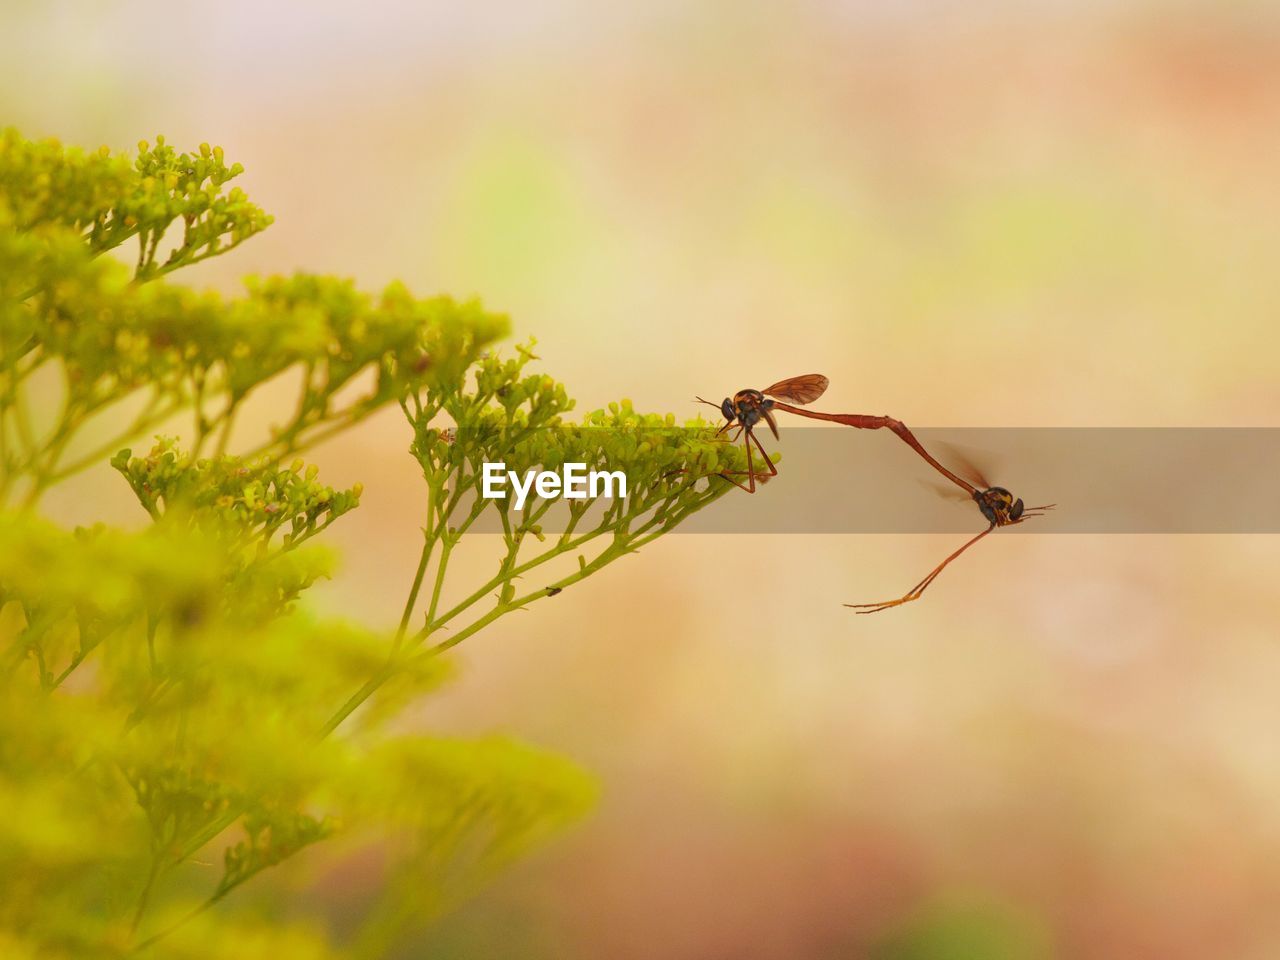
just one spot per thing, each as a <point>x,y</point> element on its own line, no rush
<point>990,214</point>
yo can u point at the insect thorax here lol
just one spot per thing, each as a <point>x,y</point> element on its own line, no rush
<point>749,406</point>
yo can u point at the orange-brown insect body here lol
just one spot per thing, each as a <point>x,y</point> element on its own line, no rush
<point>748,407</point>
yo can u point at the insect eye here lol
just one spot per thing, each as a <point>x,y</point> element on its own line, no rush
<point>727,409</point>
<point>1016,510</point>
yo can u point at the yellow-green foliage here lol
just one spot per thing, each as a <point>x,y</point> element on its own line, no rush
<point>172,721</point>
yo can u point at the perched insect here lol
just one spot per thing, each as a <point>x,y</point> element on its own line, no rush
<point>998,506</point>
<point>748,407</point>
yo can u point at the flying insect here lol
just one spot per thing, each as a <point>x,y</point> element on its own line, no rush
<point>1000,508</point>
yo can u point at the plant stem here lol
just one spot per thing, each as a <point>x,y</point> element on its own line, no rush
<point>427,547</point>
<point>150,417</point>
<point>145,898</point>
<point>371,686</point>
<point>440,572</point>
<point>182,921</point>
<point>228,421</point>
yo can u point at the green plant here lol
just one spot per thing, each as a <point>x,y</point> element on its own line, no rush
<point>173,722</point>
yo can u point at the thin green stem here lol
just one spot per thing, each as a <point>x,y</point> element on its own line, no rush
<point>27,345</point>
<point>153,696</point>
<point>441,568</point>
<point>504,575</point>
<point>371,686</point>
<point>211,902</point>
<point>151,416</point>
<point>151,643</point>
<point>294,440</point>
<point>68,670</point>
<point>202,424</point>
<point>228,423</point>
<point>607,556</point>
<point>52,450</point>
<point>22,420</point>
<point>428,546</point>
<point>144,899</point>
<point>186,261</point>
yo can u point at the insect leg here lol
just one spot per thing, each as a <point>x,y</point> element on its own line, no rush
<point>907,437</point>
<point>750,472</point>
<point>866,422</point>
<point>915,592</point>
<point>773,471</point>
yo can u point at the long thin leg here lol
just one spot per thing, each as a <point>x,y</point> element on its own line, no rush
<point>773,471</point>
<point>751,470</point>
<point>919,588</point>
<point>730,474</point>
<point>865,422</point>
<point>749,473</point>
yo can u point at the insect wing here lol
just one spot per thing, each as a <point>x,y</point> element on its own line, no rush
<point>963,464</point>
<point>947,491</point>
<point>773,423</point>
<point>802,389</point>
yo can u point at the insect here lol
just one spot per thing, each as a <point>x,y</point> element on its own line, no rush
<point>998,506</point>
<point>748,407</point>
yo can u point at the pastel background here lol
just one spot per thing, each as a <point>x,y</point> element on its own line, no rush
<point>989,214</point>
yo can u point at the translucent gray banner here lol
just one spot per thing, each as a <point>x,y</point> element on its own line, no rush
<point>1102,480</point>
